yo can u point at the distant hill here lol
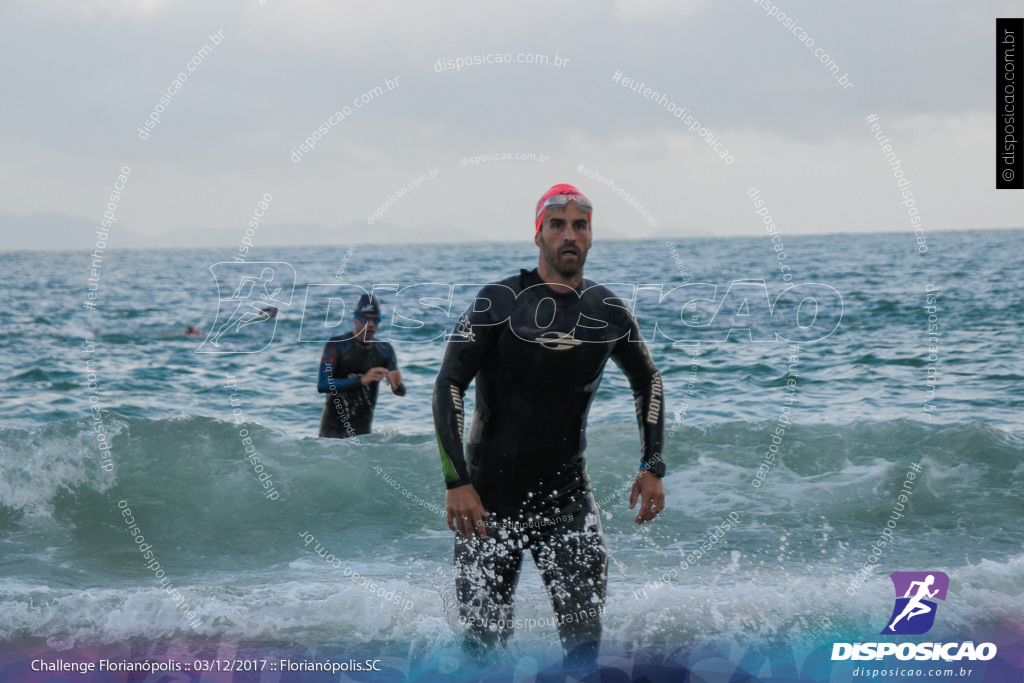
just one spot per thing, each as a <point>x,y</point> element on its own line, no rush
<point>310,234</point>
<point>58,231</point>
<point>670,233</point>
<point>52,231</point>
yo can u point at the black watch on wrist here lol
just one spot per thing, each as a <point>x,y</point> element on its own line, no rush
<point>655,468</point>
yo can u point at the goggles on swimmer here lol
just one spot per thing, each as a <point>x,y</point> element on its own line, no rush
<point>560,201</point>
<point>372,319</point>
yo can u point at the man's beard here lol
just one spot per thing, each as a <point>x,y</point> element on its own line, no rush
<point>566,266</point>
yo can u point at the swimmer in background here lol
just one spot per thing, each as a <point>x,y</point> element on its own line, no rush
<point>352,367</point>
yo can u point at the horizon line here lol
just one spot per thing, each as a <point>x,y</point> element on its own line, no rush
<point>702,236</point>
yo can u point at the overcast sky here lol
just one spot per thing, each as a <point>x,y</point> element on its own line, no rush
<point>80,77</point>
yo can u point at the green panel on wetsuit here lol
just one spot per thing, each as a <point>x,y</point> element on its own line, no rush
<point>450,474</point>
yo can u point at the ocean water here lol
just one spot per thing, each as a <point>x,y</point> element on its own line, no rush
<point>860,408</point>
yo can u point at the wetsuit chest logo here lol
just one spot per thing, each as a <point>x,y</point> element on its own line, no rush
<point>558,341</point>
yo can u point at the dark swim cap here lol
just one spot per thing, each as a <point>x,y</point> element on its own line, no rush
<point>368,305</point>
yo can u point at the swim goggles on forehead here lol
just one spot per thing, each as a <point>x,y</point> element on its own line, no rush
<point>559,201</point>
<point>370,319</point>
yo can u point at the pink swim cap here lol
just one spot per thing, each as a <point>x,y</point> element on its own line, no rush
<point>566,189</point>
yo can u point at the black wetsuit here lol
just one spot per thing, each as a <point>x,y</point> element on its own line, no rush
<point>348,409</point>
<point>537,354</point>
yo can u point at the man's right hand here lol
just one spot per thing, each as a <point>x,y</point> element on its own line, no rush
<point>465,512</point>
<point>373,375</point>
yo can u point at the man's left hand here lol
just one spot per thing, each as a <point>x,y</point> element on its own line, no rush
<point>394,380</point>
<point>651,494</point>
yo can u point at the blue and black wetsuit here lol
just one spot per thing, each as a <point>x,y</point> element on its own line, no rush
<point>348,410</point>
<point>537,354</point>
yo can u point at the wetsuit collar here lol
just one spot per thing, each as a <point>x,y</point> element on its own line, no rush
<point>529,278</point>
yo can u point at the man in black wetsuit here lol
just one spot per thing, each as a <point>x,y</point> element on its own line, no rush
<point>351,369</point>
<point>537,352</point>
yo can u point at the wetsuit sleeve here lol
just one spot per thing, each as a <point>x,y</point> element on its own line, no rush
<point>391,363</point>
<point>645,381</point>
<point>462,360</point>
<point>324,380</point>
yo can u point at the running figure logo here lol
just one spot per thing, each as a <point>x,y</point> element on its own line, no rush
<point>258,290</point>
<point>914,613</point>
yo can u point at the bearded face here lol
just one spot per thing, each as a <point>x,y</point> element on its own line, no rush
<point>564,239</point>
